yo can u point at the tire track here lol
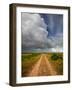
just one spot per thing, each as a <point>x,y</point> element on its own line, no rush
<point>42,68</point>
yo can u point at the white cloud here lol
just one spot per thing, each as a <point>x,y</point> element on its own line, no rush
<point>58,40</point>
<point>35,34</point>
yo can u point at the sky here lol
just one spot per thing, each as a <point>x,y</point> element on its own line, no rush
<point>41,32</point>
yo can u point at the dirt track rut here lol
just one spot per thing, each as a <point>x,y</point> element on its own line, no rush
<point>42,68</point>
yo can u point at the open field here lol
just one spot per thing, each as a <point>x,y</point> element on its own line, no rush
<point>57,63</point>
<point>28,61</point>
<point>42,64</point>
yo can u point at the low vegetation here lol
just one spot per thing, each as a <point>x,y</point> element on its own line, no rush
<point>28,61</point>
<point>56,56</point>
<point>56,60</point>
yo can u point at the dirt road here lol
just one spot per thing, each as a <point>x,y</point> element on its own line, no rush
<point>42,68</point>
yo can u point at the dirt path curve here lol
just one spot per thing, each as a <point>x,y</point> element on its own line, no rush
<point>42,68</point>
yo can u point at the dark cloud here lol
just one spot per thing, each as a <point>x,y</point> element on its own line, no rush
<point>35,35</point>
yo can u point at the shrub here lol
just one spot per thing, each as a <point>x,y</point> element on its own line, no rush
<point>54,56</point>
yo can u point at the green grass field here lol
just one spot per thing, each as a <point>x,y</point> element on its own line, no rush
<point>28,61</point>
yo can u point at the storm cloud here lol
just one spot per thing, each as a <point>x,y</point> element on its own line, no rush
<point>35,34</point>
